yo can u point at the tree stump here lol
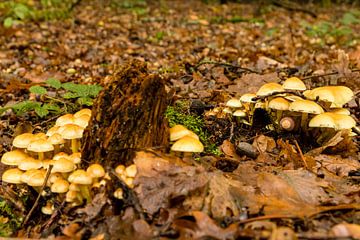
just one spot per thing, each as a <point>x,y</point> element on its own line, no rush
<point>128,115</point>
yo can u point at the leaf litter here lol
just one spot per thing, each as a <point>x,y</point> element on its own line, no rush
<point>257,198</point>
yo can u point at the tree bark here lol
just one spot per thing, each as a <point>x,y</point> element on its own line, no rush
<point>128,115</point>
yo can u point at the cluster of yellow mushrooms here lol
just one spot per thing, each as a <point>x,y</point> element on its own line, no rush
<point>33,154</point>
<point>185,140</point>
<point>293,107</point>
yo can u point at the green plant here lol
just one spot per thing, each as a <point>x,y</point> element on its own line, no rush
<point>67,95</point>
<point>9,222</point>
<point>178,114</point>
<point>16,11</point>
<point>138,7</point>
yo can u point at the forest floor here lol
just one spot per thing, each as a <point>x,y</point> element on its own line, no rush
<point>207,54</point>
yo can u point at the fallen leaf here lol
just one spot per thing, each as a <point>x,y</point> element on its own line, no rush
<point>229,149</point>
<point>338,165</point>
<point>264,143</point>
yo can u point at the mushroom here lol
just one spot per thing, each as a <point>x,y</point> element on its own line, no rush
<point>279,104</point>
<point>52,130</point>
<point>40,146</point>
<point>119,193</point>
<point>13,158</point>
<point>96,171</point>
<point>72,132</point>
<point>294,83</point>
<point>60,186</point>
<point>305,107</point>
<point>233,103</point>
<point>131,171</point>
<point>248,102</point>
<point>269,88</point>
<point>325,123</point>
<point>84,111</point>
<point>30,163</point>
<point>332,96</point>
<point>240,115</point>
<point>56,140</point>
<point>188,145</point>
<point>287,123</point>
<point>82,120</point>
<point>23,140</point>
<point>65,119</point>
<point>63,166</point>
<point>12,175</point>
<point>179,131</point>
<point>83,180</point>
<point>48,209</point>
<point>34,178</point>
<point>342,111</point>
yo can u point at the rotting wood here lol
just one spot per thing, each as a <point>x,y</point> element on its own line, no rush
<point>127,115</point>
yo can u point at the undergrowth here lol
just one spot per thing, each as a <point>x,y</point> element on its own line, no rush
<point>9,222</point>
<point>179,114</point>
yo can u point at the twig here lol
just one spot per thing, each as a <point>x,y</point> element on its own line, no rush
<point>301,155</point>
<point>224,64</point>
<point>38,197</point>
<point>327,74</point>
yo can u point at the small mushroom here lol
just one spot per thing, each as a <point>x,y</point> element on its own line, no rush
<point>23,140</point>
<point>179,131</point>
<point>187,145</point>
<point>294,83</point>
<point>12,175</point>
<point>40,146</point>
<point>13,158</point>
<point>279,104</point>
<point>305,107</point>
<point>72,132</point>
<point>83,180</point>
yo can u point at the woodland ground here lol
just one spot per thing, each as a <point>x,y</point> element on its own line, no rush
<point>207,52</point>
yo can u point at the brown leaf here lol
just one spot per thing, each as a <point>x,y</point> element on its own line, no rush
<point>204,227</point>
<point>229,149</point>
<point>93,209</point>
<point>264,143</point>
<point>158,181</point>
<point>338,165</point>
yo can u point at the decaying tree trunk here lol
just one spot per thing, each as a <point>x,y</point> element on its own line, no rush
<point>127,115</point>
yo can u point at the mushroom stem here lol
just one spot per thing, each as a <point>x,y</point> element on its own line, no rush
<point>56,148</point>
<point>84,189</point>
<point>41,156</point>
<point>304,117</point>
<point>287,123</point>
<point>279,114</point>
<point>74,145</point>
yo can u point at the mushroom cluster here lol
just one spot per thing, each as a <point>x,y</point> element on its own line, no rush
<point>293,107</point>
<point>33,154</point>
<point>185,140</point>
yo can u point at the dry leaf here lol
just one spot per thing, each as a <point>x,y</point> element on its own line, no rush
<point>338,165</point>
<point>264,143</point>
<point>229,149</point>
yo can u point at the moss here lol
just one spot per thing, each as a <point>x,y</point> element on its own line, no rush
<point>9,222</point>
<point>180,114</point>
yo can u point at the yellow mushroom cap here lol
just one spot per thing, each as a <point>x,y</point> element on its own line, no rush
<point>55,139</point>
<point>292,98</point>
<point>12,175</point>
<point>227,110</point>
<point>30,163</point>
<point>233,103</point>
<point>13,158</point>
<point>72,196</point>
<point>131,171</point>
<point>305,106</point>
<point>294,83</point>
<point>269,88</point>
<point>80,177</point>
<point>343,121</point>
<point>55,176</point>
<point>279,103</point>
<point>119,193</point>
<point>84,111</point>
<point>74,187</point>
<point>75,157</point>
<point>322,120</point>
<point>120,169</point>
<point>36,179</point>
<point>23,140</point>
<point>179,131</point>
<point>28,173</point>
<point>342,111</point>
<point>47,162</point>
<point>40,135</point>
<point>63,165</point>
<point>96,170</point>
<point>337,95</point>
<point>48,209</point>
<point>239,113</point>
<point>60,155</point>
<point>71,131</point>
<point>82,120</point>
<point>60,186</point>
<point>40,145</point>
<point>65,119</point>
<point>247,98</point>
<point>52,130</point>
<point>187,144</point>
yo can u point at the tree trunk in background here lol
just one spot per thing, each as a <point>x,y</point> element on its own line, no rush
<point>127,115</point>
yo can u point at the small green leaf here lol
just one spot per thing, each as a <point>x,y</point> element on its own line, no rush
<point>53,82</point>
<point>8,22</point>
<point>21,11</point>
<point>51,107</point>
<point>69,95</point>
<point>38,90</point>
<point>25,106</point>
<point>94,90</point>
<point>41,112</point>
<point>85,101</point>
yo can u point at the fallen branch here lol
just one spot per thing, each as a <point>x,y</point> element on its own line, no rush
<point>226,65</point>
